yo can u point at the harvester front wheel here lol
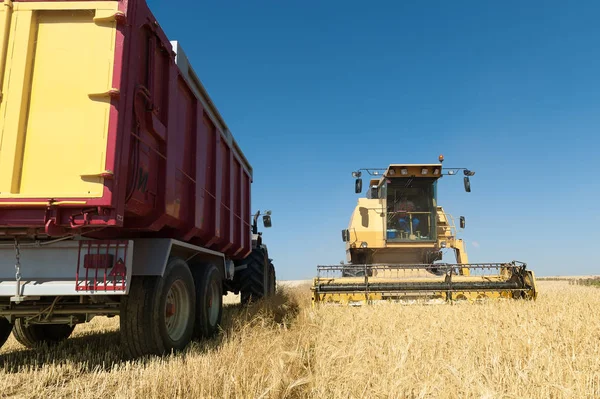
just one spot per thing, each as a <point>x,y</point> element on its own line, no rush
<point>5,330</point>
<point>255,277</point>
<point>209,294</point>
<point>157,316</point>
<point>36,334</point>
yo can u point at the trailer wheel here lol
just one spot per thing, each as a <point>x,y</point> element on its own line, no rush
<point>36,334</point>
<point>255,277</point>
<point>5,330</point>
<point>209,297</point>
<point>157,316</point>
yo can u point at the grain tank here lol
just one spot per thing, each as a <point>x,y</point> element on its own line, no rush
<point>122,190</point>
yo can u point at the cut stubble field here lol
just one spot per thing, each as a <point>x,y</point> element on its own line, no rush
<point>285,348</point>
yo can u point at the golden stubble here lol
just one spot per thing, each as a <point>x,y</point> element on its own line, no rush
<point>284,348</point>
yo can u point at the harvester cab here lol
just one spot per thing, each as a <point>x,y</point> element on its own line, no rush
<point>395,241</point>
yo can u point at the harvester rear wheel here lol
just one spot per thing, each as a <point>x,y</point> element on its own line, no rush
<point>255,277</point>
<point>209,296</point>
<point>36,334</point>
<point>5,330</point>
<point>157,316</point>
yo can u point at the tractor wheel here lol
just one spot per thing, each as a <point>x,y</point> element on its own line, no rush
<point>157,316</point>
<point>5,330</point>
<point>36,334</point>
<point>209,297</point>
<point>272,279</point>
<point>255,277</point>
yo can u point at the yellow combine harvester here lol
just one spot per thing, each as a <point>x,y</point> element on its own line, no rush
<point>395,237</point>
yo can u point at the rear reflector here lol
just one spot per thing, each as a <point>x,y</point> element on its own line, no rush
<point>98,261</point>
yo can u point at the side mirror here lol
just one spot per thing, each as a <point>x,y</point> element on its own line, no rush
<point>467,184</point>
<point>462,222</point>
<point>267,221</point>
<point>358,186</point>
<point>345,235</point>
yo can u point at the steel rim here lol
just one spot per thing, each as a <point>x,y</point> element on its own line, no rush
<point>213,303</point>
<point>177,309</point>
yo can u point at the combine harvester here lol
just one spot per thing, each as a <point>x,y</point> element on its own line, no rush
<point>122,190</point>
<point>395,237</point>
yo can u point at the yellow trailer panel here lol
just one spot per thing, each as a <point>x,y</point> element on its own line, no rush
<point>57,74</point>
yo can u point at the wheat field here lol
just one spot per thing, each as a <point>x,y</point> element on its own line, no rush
<point>284,348</point>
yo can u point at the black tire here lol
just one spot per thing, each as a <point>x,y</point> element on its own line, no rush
<point>144,319</point>
<point>272,279</point>
<point>209,288</point>
<point>254,279</point>
<point>5,330</point>
<point>38,334</point>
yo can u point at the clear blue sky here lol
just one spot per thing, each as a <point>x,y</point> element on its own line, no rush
<point>314,90</point>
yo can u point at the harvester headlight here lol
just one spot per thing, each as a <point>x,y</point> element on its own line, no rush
<point>450,172</point>
<point>443,244</point>
<point>436,171</point>
<point>391,172</point>
<point>404,171</point>
<point>424,171</point>
<point>363,244</point>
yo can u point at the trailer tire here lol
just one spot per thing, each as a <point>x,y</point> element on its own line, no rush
<point>5,330</point>
<point>209,300</point>
<point>254,279</point>
<point>157,316</point>
<point>36,334</point>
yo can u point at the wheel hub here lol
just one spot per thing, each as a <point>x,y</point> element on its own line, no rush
<point>170,309</point>
<point>177,309</point>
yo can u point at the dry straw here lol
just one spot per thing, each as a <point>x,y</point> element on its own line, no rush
<point>285,349</point>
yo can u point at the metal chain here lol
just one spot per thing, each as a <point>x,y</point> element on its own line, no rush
<point>18,267</point>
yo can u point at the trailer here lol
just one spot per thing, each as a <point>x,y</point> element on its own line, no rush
<point>122,190</point>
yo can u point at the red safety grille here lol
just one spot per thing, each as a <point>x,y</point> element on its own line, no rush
<point>101,266</point>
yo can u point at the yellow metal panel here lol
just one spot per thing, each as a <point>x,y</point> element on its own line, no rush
<point>44,203</point>
<point>67,5</point>
<point>14,100</point>
<point>54,135</point>
<point>5,18</point>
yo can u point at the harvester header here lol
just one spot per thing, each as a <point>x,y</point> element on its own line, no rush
<point>397,237</point>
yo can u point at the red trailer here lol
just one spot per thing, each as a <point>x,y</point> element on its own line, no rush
<point>122,190</point>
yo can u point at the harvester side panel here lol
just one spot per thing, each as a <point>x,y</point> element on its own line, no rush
<point>120,135</point>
